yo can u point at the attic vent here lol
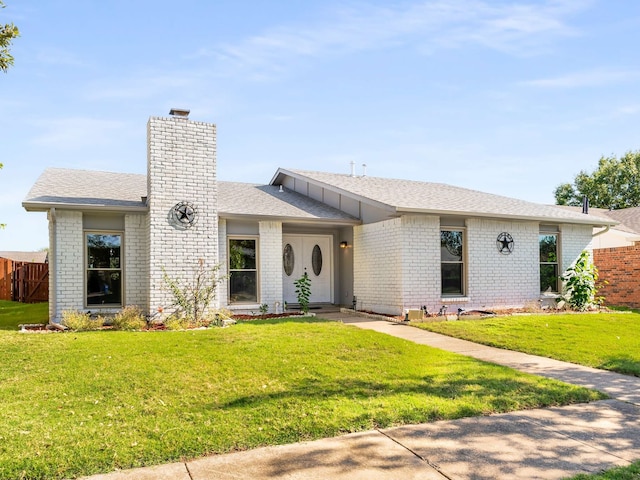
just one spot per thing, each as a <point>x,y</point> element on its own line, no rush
<point>179,112</point>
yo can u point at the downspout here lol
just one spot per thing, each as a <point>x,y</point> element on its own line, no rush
<point>53,262</point>
<point>606,229</point>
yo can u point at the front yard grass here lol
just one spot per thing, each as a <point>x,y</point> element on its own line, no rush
<point>631,472</point>
<point>12,314</point>
<point>610,341</point>
<point>81,403</point>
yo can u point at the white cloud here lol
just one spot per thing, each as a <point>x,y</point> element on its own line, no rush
<point>76,132</point>
<point>138,86</point>
<point>593,78</point>
<point>57,56</point>
<point>521,29</point>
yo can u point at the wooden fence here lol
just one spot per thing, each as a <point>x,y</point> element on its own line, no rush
<point>24,282</point>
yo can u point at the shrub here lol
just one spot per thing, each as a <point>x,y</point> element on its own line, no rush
<point>219,317</point>
<point>303,291</point>
<point>580,283</point>
<point>176,323</point>
<point>81,321</point>
<point>191,298</point>
<point>129,318</point>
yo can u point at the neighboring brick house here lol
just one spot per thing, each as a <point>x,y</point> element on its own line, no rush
<point>391,244</point>
<point>617,257</point>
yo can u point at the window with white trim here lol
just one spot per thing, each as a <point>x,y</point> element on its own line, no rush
<point>104,269</point>
<point>452,268</point>
<point>549,273</point>
<point>243,270</point>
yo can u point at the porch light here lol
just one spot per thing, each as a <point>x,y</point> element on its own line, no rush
<point>344,244</point>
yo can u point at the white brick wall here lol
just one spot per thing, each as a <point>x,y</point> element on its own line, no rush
<point>377,260</point>
<point>573,240</point>
<point>420,260</point>
<point>401,269</point>
<point>222,292</point>
<point>496,280</point>
<point>181,166</point>
<point>136,261</point>
<point>67,238</point>
<point>270,245</point>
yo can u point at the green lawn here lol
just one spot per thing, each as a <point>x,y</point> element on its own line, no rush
<point>13,314</point>
<point>632,472</point>
<point>609,341</point>
<point>80,403</point>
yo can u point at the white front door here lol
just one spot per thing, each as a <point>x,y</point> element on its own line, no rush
<point>311,254</point>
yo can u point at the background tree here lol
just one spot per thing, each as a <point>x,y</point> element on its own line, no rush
<point>7,33</point>
<point>614,184</point>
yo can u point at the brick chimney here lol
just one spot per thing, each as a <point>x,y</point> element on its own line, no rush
<point>182,196</point>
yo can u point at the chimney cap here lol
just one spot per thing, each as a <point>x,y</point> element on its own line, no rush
<point>179,112</point>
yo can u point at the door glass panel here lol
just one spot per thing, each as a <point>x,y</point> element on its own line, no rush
<point>316,260</point>
<point>288,259</point>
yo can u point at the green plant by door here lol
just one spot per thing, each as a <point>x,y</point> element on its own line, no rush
<point>303,291</point>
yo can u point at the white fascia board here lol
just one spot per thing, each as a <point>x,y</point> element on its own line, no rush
<point>332,188</point>
<point>592,222</point>
<point>45,206</point>
<point>273,218</point>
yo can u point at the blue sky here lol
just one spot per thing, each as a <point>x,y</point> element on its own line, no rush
<point>508,97</point>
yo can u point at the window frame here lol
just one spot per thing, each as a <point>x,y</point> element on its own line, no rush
<point>463,262</point>
<point>87,269</point>
<point>255,238</point>
<point>546,233</point>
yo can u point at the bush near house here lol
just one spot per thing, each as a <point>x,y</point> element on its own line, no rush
<point>82,404</point>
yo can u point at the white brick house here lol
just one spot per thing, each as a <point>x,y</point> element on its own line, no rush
<point>391,244</point>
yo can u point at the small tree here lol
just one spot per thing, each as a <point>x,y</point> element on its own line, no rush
<point>580,283</point>
<point>7,33</point>
<point>303,291</point>
<point>192,298</point>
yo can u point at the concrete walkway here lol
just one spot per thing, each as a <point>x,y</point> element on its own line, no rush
<point>551,443</point>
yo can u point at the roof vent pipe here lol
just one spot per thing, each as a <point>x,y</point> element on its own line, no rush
<point>353,168</point>
<point>585,204</point>
<point>364,169</point>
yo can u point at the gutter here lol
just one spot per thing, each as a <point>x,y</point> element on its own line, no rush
<point>606,229</point>
<point>502,216</point>
<point>44,206</point>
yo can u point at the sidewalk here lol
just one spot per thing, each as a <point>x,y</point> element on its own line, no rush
<point>549,443</point>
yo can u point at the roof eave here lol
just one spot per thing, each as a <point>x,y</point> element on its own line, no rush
<point>530,218</point>
<point>45,206</point>
<point>284,219</point>
<point>333,188</point>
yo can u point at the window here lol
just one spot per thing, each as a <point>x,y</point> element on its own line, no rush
<point>243,270</point>
<point>548,262</point>
<point>104,269</point>
<point>452,262</point>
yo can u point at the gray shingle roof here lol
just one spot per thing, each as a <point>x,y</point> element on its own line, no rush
<point>414,196</point>
<point>85,188</point>
<point>59,187</point>
<point>242,199</point>
<point>628,217</point>
<point>30,257</point>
